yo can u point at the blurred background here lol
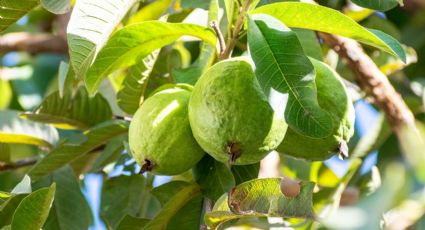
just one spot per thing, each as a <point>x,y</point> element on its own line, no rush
<point>29,73</point>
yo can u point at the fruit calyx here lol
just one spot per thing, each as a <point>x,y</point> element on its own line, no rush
<point>147,166</point>
<point>234,151</point>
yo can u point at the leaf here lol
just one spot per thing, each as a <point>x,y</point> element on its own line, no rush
<point>381,5</point>
<point>113,150</point>
<point>6,94</point>
<point>320,18</point>
<point>7,209</point>
<point>78,145</point>
<point>285,68</point>
<point>261,197</point>
<point>23,187</point>
<point>207,54</point>
<point>165,192</point>
<point>70,209</point>
<point>244,173</point>
<point>215,178</point>
<point>132,223</point>
<point>12,10</point>
<point>77,111</point>
<point>124,195</point>
<point>65,77</point>
<point>34,209</point>
<point>57,6</point>
<point>91,23</point>
<point>373,139</point>
<point>131,94</point>
<point>137,41</point>
<point>412,143</point>
<point>186,203</point>
<point>16,130</point>
<point>310,43</point>
<point>264,197</point>
<point>152,11</point>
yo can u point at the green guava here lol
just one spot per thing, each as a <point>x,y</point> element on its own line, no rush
<point>333,97</point>
<point>160,137</point>
<point>230,116</point>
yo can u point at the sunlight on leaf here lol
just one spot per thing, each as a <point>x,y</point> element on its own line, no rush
<point>320,18</point>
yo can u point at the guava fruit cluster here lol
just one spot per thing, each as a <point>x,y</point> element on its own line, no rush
<point>227,115</point>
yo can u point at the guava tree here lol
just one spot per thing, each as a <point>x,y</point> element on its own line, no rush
<point>212,114</point>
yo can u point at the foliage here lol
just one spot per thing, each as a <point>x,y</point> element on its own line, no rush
<point>65,116</point>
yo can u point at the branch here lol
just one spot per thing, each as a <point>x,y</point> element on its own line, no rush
<point>4,166</point>
<point>372,81</point>
<point>32,43</point>
<point>232,40</point>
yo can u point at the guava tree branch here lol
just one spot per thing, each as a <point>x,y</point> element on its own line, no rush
<point>32,43</point>
<point>372,81</point>
<point>4,166</point>
<point>234,37</point>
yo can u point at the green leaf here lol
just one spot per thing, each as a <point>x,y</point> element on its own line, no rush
<point>65,77</point>
<point>412,143</point>
<point>7,208</point>
<point>261,197</point>
<point>152,11</point>
<point>215,178</point>
<point>373,139</point>
<point>183,209</point>
<point>132,223</point>
<point>57,6</point>
<point>91,23</point>
<point>137,41</point>
<point>73,111</point>
<point>5,94</point>
<point>320,18</point>
<point>286,69</point>
<point>78,145</point>
<point>131,94</point>
<point>166,191</point>
<point>113,150</point>
<point>124,195</point>
<point>16,130</point>
<point>244,173</point>
<point>381,5</point>
<point>310,43</point>
<point>207,54</point>
<point>34,209</point>
<point>264,197</point>
<point>12,10</point>
<point>70,209</point>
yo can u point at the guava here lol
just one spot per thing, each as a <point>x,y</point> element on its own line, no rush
<point>160,137</point>
<point>230,116</point>
<point>332,97</point>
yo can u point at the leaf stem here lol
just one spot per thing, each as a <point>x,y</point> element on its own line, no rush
<point>219,36</point>
<point>232,40</point>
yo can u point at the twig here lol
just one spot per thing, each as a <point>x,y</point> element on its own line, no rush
<point>372,80</point>
<point>219,36</point>
<point>232,40</point>
<point>19,164</point>
<point>32,43</point>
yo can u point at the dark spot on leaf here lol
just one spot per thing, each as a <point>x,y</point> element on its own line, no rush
<point>290,188</point>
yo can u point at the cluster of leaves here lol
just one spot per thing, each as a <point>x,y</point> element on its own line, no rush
<point>69,114</point>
